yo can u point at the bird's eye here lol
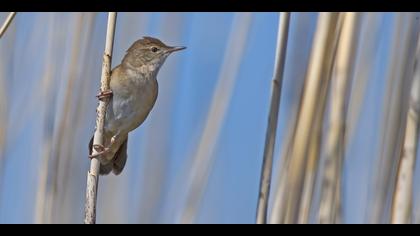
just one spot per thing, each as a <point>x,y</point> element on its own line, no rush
<point>154,49</point>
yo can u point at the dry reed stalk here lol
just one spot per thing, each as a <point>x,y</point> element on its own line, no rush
<point>93,174</point>
<point>279,204</point>
<point>416,100</point>
<point>270,138</point>
<point>330,191</point>
<point>311,170</point>
<point>277,215</point>
<point>7,23</point>
<point>400,74</point>
<point>403,195</point>
<point>309,182</point>
<point>316,137</point>
<point>319,62</point>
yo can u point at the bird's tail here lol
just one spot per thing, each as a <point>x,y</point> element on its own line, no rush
<point>120,158</point>
<point>105,169</point>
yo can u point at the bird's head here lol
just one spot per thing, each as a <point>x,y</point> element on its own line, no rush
<point>148,53</point>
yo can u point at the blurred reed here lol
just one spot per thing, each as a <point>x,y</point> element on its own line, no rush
<point>6,23</point>
<point>75,110</point>
<point>330,206</point>
<point>365,56</point>
<point>402,200</point>
<point>204,158</point>
<point>394,114</point>
<point>414,117</point>
<point>316,137</point>
<point>299,58</point>
<point>63,137</point>
<point>61,114</point>
<point>7,44</point>
<point>316,80</point>
<point>44,195</point>
<point>300,181</point>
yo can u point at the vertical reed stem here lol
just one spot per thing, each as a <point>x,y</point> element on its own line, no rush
<point>93,174</point>
<point>270,138</point>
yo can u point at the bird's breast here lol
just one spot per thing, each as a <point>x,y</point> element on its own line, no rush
<point>132,104</point>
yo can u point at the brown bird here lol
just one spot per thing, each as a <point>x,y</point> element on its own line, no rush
<point>134,90</point>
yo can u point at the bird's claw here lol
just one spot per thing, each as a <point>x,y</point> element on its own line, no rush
<point>100,150</point>
<point>99,147</point>
<point>104,94</point>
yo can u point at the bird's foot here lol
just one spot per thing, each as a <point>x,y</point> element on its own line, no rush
<point>104,94</point>
<point>99,147</point>
<point>100,150</point>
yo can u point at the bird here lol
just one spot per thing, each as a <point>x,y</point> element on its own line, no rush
<point>132,95</point>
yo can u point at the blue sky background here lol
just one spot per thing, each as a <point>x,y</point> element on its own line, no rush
<point>151,188</point>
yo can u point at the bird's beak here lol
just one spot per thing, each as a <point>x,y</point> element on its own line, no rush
<point>174,49</point>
